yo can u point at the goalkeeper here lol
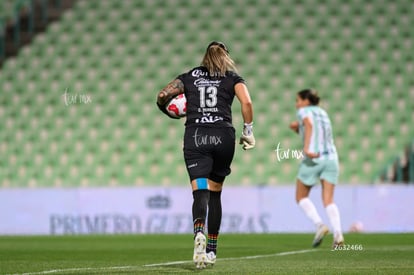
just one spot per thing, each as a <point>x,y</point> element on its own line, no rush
<point>209,138</point>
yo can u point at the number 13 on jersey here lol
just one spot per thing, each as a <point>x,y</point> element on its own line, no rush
<point>208,96</point>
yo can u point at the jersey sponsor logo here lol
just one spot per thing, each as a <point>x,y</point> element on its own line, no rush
<point>198,73</point>
<point>202,82</point>
<point>209,119</point>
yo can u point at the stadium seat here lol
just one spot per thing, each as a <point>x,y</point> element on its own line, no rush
<point>120,54</point>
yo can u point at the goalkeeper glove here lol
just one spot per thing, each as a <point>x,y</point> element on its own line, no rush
<point>247,138</point>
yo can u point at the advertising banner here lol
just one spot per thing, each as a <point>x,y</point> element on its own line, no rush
<point>136,210</point>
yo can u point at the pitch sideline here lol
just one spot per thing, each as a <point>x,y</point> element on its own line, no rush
<point>131,267</point>
<point>238,258</point>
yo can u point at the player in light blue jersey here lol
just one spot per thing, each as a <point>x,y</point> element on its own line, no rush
<point>320,163</point>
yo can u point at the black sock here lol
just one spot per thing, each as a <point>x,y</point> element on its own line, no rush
<point>214,220</point>
<point>200,204</point>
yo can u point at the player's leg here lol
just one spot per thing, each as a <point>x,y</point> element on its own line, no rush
<point>302,190</point>
<point>223,156</point>
<point>199,164</point>
<point>307,177</point>
<point>214,218</point>
<point>327,193</point>
<point>329,179</point>
<point>201,197</point>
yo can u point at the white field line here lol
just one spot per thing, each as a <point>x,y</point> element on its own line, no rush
<point>238,258</point>
<point>77,269</point>
<point>130,267</point>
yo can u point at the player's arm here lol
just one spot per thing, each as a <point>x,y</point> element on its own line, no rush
<point>247,138</point>
<point>243,96</point>
<point>307,123</point>
<point>294,126</point>
<point>172,89</point>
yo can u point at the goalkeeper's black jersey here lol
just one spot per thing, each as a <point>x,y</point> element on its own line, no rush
<point>209,98</point>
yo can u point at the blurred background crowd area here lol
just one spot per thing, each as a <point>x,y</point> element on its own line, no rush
<point>78,82</point>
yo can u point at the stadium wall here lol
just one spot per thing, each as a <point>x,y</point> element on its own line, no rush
<point>374,208</point>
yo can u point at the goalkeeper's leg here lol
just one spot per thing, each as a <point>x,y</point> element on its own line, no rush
<point>201,197</point>
<point>214,220</point>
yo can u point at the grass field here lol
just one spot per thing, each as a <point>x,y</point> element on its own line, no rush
<point>238,254</point>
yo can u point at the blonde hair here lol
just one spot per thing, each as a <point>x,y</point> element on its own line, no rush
<point>217,60</point>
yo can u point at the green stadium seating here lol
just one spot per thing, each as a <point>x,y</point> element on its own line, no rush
<point>358,54</point>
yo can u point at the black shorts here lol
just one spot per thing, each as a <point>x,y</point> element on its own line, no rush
<point>208,152</point>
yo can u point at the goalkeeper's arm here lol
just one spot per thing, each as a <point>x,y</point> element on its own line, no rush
<point>247,138</point>
<point>172,89</point>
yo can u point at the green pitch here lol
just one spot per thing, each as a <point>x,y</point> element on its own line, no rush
<point>238,254</point>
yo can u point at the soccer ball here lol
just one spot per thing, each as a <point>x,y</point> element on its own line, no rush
<point>177,107</point>
<point>356,227</point>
